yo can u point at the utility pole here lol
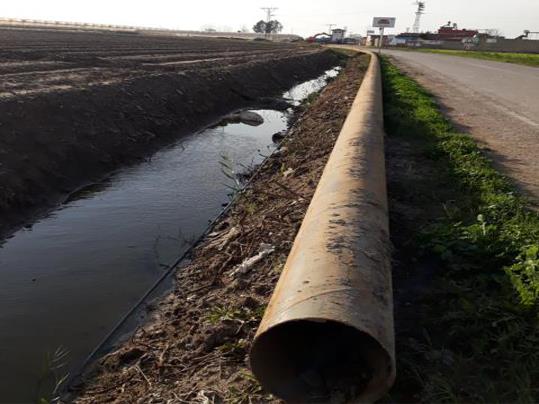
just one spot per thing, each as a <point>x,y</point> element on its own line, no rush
<point>329,27</point>
<point>420,11</point>
<point>269,14</point>
<point>381,41</point>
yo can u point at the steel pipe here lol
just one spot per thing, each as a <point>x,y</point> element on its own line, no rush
<point>327,333</point>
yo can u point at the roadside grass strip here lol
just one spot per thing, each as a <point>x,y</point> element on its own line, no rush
<point>528,59</point>
<point>478,338</point>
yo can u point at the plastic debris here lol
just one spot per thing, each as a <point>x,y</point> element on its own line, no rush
<point>249,263</point>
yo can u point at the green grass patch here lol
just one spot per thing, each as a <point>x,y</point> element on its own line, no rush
<point>477,337</point>
<point>220,313</point>
<point>528,59</point>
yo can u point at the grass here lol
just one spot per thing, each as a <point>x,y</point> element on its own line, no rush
<point>241,314</point>
<point>52,376</point>
<point>476,332</point>
<point>528,59</point>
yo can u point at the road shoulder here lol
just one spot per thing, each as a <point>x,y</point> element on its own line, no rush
<point>510,140</point>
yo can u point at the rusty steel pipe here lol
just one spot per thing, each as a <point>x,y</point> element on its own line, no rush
<point>327,333</point>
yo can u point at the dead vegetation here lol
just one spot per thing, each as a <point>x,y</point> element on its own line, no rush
<point>195,349</point>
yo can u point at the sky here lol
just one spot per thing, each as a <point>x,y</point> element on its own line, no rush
<point>303,17</point>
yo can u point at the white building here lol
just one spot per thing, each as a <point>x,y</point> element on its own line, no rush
<point>337,35</point>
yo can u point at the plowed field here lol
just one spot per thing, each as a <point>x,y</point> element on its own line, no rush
<point>33,61</point>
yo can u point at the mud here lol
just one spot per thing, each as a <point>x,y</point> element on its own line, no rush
<point>75,106</point>
<point>194,349</point>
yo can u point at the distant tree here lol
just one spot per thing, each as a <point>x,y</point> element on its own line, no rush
<point>270,27</point>
<point>260,27</point>
<point>274,27</point>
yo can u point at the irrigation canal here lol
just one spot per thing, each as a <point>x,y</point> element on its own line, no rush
<point>69,277</point>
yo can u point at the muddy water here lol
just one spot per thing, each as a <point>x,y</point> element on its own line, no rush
<point>66,280</point>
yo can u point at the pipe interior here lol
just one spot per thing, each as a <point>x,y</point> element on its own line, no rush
<point>318,361</point>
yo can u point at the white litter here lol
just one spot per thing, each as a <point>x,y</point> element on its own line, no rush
<point>222,239</point>
<point>288,172</point>
<point>202,398</point>
<point>249,263</point>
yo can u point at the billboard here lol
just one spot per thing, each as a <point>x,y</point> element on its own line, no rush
<point>384,22</point>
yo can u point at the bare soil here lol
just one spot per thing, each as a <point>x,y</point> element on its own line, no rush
<point>195,347</point>
<point>76,105</point>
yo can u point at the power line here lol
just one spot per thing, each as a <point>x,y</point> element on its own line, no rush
<point>269,12</point>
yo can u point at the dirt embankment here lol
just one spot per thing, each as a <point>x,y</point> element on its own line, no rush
<point>195,348</point>
<point>71,130</point>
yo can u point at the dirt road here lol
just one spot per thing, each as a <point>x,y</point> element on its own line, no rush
<point>498,103</point>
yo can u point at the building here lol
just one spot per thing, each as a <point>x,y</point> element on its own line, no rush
<point>337,35</point>
<point>450,33</point>
<point>406,39</point>
<point>374,40</point>
<point>446,34</point>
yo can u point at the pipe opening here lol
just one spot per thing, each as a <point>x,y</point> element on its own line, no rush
<point>320,361</point>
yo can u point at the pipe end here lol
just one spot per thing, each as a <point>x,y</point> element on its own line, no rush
<point>321,361</point>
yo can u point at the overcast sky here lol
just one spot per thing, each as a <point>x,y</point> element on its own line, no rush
<point>304,17</point>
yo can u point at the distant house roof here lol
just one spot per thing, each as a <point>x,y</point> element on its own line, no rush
<point>408,35</point>
<point>451,33</point>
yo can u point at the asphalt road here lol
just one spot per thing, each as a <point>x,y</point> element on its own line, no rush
<point>498,103</point>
